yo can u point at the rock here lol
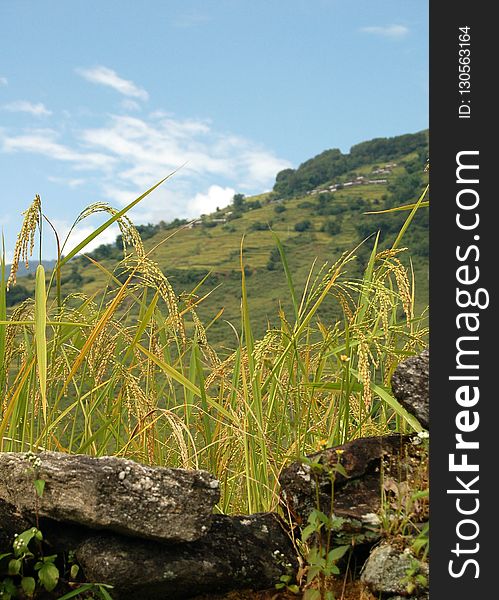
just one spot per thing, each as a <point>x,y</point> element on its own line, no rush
<point>237,553</point>
<point>388,570</point>
<point>410,385</point>
<point>11,522</point>
<point>357,497</point>
<point>110,493</point>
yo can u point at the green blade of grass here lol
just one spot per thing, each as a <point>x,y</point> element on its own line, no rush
<point>392,403</point>
<point>287,272</point>
<point>410,217</point>
<point>41,335</point>
<point>3,314</point>
<point>10,404</point>
<point>109,222</point>
<point>405,207</point>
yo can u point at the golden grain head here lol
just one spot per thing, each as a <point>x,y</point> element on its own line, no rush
<point>26,239</point>
<point>129,234</point>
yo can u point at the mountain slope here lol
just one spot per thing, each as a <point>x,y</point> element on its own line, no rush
<point>317,224</point>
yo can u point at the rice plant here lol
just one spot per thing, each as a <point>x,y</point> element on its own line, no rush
<point>131,371</point>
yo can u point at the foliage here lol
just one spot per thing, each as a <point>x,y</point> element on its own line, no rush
<point>274,262</point>
<point>332,226</point>
<point>405,506</point>
<point>316,538</point>
<point>17,294</point>
<point>131,372</point>
<point>332,164</point>
<point>303,225</point>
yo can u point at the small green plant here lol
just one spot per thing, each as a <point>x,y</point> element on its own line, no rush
<point>26,573</point>
<point>285,583</point>
<point>98,591</point>
<point>421,543</point>
<point>405,503</point>
<point>27,568</point>
<point>414,579</point>
<point>286,579</point>
<point>321,557</point>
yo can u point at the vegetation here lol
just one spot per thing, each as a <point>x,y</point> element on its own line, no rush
<point>332,164</point>
<point>118,359</point>
<point>132,372</point>
<point>210,250</point>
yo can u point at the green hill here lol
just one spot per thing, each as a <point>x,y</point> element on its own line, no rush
<point>317,211</point>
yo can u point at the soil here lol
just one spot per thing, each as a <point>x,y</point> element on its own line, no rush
<point>353,590</point>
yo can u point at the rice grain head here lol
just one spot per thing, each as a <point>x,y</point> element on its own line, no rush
<point>26,239</point>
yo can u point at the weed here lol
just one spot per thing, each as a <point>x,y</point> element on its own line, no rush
<point>316,539</point>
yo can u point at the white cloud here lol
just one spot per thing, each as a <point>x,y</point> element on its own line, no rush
<point>37,110</point>
<point>44,142</point>
<point>387,31</point>
<point>70,182</point>
<point>216,196</point>
<point>105,76</point>
<point>149,149</point>
<point>83,230</point>
<point>130,105</point>
<point>126,155</point>
<point>4,81</point>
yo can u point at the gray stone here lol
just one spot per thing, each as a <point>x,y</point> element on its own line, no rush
<point>387,571</point>
<point>110,493</point>
<point>410,385</point>
<point>11,522</point>
<point>242,552</point>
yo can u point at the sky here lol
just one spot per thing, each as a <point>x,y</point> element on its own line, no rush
<point>99,100</point>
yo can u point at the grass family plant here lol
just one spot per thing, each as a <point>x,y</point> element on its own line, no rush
<point>130,371</point>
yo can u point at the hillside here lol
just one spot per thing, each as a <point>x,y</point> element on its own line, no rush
<point>318,215</point>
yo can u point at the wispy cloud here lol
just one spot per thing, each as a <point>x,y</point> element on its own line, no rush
<point>44,142</point>
<point>129,105</point>
<point>148,148</point>
<point>4,81</point>
<point>387,31</point>
<point>105,76</point>
<point>37,110</point>
<point>70,182</point>
<point>126,154</point>
<point>82,231</point>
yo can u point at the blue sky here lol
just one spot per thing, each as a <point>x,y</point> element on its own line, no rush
<point>99,100</point>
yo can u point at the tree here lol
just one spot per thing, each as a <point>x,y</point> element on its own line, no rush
<point>332,227</point>
<point>238,202</point>
<point>303,225</point>
<point>274,261</point>
<point>16,294</point>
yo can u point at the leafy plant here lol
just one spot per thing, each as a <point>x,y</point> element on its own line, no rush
<point>414,578</point>
<point>27,568</point>
<point>316,538</point>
